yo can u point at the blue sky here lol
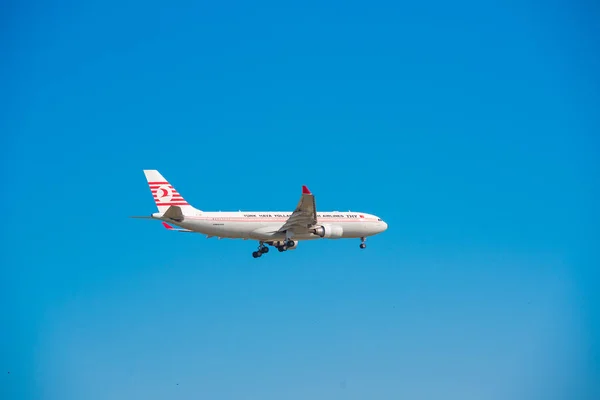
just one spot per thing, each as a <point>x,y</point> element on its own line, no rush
<point>471,128</point>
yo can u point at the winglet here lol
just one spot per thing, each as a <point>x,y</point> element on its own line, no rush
<point>169,227</point>
<point>305,190</point>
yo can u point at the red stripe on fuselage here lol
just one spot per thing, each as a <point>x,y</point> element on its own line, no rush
<point>241,219</point>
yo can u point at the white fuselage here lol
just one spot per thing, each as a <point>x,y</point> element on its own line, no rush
<point>263,225</point>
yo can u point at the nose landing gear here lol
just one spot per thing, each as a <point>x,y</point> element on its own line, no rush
<point>363,245</point>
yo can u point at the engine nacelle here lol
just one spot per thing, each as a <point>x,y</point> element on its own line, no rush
<point>329,231</point>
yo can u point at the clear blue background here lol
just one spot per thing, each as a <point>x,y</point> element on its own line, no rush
<point>471,128</point>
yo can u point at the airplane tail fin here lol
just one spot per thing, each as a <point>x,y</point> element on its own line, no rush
<point>165,194</point>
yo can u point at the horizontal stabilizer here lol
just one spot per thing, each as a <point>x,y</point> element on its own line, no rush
<point>174,213</point>
<point>169,227</point>
<point>142,217</point>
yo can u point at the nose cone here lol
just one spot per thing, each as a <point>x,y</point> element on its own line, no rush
<point>384,226</point>
<point>381,226</point>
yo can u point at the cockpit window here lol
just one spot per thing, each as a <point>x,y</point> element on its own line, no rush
<point>379,219</point>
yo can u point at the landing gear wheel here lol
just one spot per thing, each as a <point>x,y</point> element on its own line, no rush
<point>281,249</point>
<point>264,249</point>
<point>256,254</point>
<point>363,245</point>
<point>290,243</point>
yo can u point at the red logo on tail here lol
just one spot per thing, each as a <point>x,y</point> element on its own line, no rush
<point>164,194</point>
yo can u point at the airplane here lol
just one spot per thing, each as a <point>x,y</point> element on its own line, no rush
<point>280,229</point>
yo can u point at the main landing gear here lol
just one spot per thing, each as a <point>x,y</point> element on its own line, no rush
<point>262,249</point>
<point>288,245</point>
<point>281,246</point>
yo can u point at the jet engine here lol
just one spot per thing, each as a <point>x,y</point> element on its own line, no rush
<point>329,231</point>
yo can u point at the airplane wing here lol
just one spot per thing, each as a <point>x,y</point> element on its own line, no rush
<point>304,216</point>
